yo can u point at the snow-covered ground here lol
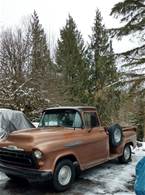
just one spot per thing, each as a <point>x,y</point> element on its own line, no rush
<point>110,178</point>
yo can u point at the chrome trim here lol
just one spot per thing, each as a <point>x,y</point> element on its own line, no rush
<point>12,147</point>
<point>73,144</point>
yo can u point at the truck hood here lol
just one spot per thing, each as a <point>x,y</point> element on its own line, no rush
<point>32,137</point>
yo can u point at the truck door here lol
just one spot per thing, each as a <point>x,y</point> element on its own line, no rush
<point>97,147</point>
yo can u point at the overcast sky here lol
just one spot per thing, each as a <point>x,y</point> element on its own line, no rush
<point>53,15</point>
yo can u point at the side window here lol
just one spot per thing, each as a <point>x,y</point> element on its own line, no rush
<point>87,119</point>
<point>77,121</point>
<point>94,120</point>
<point>91,119</point>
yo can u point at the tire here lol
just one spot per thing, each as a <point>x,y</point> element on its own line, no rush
<point>126,157</point>
<point>115,135</point>
<point>64,175</point>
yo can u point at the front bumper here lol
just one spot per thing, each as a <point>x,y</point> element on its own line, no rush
<point>32,175</point>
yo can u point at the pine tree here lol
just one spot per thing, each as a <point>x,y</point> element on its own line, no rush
<point>40,65</point>
<point>132,16</point>
<point>138,116</point>
<point>71,61</point>
<point>103,71</point>
<point>40,54</point>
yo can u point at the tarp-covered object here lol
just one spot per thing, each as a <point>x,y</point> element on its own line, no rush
<point>140,177</point>
<point>12,120</point>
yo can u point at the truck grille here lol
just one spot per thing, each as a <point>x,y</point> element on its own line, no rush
<point>18,158</point>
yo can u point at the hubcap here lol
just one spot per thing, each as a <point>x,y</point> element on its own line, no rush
<point>117,135</point>
<point>64,175</point>
<point>126,153</point>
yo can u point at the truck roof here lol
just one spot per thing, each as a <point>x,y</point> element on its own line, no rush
<point>78,108</point>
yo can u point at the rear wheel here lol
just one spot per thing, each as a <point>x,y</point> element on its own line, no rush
<point>64,175</point>
<point>126,157</point>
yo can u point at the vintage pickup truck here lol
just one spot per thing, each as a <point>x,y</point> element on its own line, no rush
<point>67,141</point>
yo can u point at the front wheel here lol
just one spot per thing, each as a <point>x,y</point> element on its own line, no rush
<point>126,157</point>
<point>64,175</point>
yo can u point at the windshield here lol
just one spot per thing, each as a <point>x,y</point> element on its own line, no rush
<point>61,117</point>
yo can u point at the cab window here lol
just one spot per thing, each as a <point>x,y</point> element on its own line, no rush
<point>91,119</point>
<point>61,117</point>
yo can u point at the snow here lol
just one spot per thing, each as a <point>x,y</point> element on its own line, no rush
<point>111,178</point>
<point>114,178</point>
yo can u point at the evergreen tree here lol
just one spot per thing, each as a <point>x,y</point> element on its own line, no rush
<point>138,116</point>
<point>40,54</point>
<point>40,66</point>
<point>71,61</point>
<point>103,71</point>
<point>132,16</point>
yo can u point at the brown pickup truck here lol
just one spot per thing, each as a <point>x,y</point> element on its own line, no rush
<point>68,140</point>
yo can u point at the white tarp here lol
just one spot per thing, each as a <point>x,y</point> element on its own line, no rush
<point>12,120</point>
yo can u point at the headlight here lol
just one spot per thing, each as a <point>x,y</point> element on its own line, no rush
<point>38,154</point>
